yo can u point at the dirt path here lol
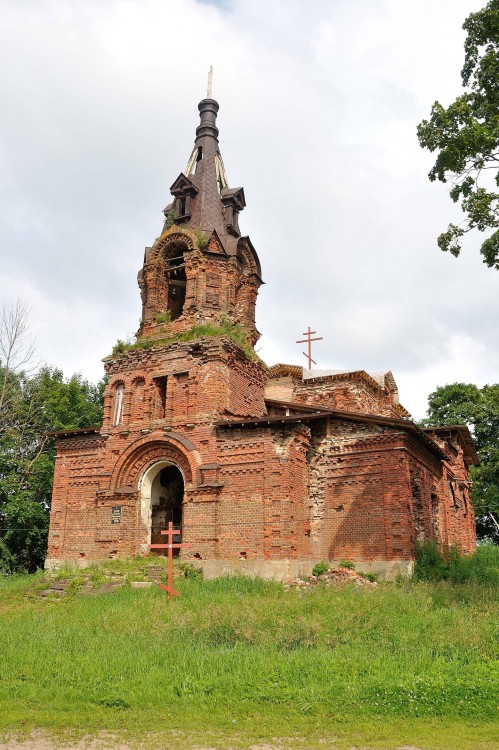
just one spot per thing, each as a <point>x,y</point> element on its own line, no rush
<point>111,742</point>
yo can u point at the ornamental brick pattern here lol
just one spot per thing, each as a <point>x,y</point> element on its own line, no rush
<point>279,467</point>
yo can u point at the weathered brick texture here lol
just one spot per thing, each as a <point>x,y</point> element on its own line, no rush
<point>274,469</point>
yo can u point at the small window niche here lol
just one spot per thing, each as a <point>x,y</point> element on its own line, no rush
<point>161,385</point>
<point>199,156</point>
<point>119,402</point>
<point>138,399</point>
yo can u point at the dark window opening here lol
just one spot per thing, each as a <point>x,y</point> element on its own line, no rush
<point>161,386</point>
<point>199,154</point>
<point>167,495</point>
<point>177,282</point>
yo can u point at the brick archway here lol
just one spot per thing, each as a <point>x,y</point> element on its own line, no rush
<point>145,452</point>
<point>156,511</point>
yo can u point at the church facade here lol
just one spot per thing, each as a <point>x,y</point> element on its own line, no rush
<point>264,471</point>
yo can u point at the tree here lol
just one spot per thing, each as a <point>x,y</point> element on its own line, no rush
<point>466,137</point>
<point>16,353</point>
<point>465,403</point>
<point>41,402</point>
<point>31,404</point>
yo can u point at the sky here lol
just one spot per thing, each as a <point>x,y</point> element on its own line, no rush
<point>319,104</point>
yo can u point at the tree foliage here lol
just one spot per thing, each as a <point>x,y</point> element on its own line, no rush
<point>36,404</point>
<point>465,403</point>
<point>466,137</point>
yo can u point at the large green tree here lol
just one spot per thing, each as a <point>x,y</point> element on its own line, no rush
<point>465,136</point>
<point>36,403</point>
<point>32,402</point>
<point>465,403</point>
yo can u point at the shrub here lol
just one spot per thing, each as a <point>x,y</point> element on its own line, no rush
<point>429,565</point>
<point>188,570</point>
<point>347,564</point>
<point>202,238</point>
<point>120,346</point>
<point>170,220</point>
<point>481,567</point>
<point>164,317</point>
<point>320,568</point>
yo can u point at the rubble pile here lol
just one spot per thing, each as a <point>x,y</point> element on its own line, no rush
<point>332,577</point>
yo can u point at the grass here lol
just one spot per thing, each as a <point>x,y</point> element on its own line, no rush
<point>234,331</point>
<point>482,567</point>
<point>241,660</point>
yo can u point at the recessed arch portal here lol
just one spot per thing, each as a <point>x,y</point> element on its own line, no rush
<point>162,494</point>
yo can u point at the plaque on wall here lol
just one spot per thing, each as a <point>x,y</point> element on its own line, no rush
<point>116,513</point>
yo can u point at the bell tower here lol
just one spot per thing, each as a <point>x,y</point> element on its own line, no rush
<point>201,271</point>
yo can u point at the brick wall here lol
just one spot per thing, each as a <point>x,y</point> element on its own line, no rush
<point>272,490</point>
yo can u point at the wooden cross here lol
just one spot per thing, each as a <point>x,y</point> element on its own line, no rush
<point>308,341</point>
<point>170,532</point>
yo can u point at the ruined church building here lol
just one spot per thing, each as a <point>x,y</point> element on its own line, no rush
<point>264,471</point>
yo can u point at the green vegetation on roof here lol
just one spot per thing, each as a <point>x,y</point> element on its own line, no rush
<point>234,331</point>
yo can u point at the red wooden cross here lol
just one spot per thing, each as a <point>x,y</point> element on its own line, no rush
<point>308,341</point>
<point>169,532</point>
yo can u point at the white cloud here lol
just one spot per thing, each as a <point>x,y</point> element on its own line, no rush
<point>319,104</point>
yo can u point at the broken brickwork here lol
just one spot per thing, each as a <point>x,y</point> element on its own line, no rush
<point>265,471</point>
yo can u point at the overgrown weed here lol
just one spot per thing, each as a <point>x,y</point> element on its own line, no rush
<point>226,328</point>
<point>239,647</point>
<point>482,567</point>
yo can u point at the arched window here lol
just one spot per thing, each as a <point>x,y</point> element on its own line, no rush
<point>177,281</point>
<point>119,400</point>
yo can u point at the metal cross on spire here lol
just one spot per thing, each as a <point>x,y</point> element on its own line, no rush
<point>308,340</point>
<point>210,82</point>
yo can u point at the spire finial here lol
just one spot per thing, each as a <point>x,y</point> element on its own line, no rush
<point>210,82</point>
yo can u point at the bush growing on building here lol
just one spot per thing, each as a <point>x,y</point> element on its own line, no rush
<point>320,568</point>
<point>347,564</point>
<point>164,317</point>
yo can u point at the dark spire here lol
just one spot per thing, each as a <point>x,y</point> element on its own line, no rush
<point>203,199</point>
<point>208,109</point>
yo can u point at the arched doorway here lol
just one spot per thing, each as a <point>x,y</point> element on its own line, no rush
<point>162,490</point>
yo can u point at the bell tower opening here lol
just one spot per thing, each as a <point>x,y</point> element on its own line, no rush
<point>167,494</point>
<point>177,281</point>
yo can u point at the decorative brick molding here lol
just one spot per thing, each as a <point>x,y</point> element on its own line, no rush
<point>277,468</point>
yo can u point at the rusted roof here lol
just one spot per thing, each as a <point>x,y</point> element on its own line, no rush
<point>277,371</point>
<point>378,380</point>
<point>404,424</point>
<point>299,407</point>
<point>466,438</point>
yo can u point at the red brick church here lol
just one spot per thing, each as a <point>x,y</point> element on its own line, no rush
<point>264,470</point>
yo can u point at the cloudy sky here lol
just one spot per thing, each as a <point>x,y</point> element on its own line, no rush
<point>319,103</point>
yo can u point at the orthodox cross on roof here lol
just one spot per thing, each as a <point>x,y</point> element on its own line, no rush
<point>308,340</point>
<point>170,532</point>
<point>210,82</point>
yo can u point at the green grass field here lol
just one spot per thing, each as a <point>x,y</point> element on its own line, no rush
<point>235,662</point>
